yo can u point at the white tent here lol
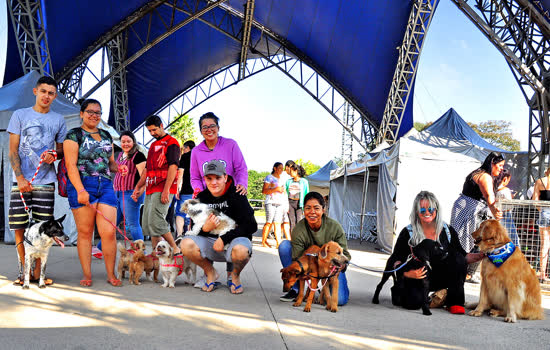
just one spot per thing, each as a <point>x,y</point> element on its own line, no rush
<point>437,159</point>
<point>18,94</point>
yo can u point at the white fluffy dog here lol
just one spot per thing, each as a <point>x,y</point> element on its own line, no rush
<point>172,266</point>
<point>199,213</point>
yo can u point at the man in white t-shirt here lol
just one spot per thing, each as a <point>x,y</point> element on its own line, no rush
<point>34,133</point>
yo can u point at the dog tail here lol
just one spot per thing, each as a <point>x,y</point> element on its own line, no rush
<point>121,249</point>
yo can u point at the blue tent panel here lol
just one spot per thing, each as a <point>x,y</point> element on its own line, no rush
<point>321,177</point>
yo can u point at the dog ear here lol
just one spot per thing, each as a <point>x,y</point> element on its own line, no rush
<point>61,219</point>
<point>324,251</point>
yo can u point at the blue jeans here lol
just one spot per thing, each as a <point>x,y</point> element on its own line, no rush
<point>285,254</point>
<point>131,212</point>
<point>510,226</point>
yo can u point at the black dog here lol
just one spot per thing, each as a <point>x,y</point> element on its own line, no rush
<point>407,292</point>
<point>38,239</point>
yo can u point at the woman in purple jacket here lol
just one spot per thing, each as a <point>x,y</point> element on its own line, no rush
<point>215,147</point>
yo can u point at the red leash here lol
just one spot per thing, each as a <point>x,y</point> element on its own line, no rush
<point>54,154</point>
<point>116,228</point>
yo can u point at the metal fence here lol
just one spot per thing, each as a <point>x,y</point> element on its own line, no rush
<point>527,223</point>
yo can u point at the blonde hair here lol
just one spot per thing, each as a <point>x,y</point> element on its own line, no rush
<point>418,233</point>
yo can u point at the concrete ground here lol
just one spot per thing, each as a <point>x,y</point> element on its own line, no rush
<point>68,316</point>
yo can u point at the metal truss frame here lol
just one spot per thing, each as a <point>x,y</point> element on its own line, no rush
<point>275,51</point>
<point>116,50</point>
<point>347,140</point>
<point>32,42</point>
<point>521,32</point>
<point>405,71</point>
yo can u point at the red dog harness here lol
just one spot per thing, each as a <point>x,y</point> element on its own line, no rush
<point>175,264</point>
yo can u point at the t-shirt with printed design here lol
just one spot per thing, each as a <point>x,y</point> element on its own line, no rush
<point>294,190</point>
<point>38,132</point>
<point>276,197</point>
<point>93,155</point>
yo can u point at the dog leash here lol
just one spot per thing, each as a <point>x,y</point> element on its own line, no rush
<point>54,154</point>
<point>334,268</point>
<point>409,258</point>
<point>116,228</point>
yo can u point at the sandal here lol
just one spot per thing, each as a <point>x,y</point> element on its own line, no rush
<point>86,283</point>
<point>115,282</point>
<point>235,287</point>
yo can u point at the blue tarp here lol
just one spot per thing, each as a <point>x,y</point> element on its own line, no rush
<point>351,42</point>
<point>321,178</point>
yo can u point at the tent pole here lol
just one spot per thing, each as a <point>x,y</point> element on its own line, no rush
<point>345,190</point>
<point>364,202</point>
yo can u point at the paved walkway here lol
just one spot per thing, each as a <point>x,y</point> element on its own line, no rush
<point>68,316</point>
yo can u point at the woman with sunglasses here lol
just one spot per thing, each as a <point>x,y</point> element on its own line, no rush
<point>90,161</point>
<point>447,274</point>
<point>477,203</point>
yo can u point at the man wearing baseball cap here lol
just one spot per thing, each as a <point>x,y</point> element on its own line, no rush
<point>203,249</point>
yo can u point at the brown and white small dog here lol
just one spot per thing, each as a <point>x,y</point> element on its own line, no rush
<point>152,267</point>
<point>331,260</point>
<point>126,257</point>
<point>301,270</point>
<point>199,213</point>
<point>511,290</point>
<point>172,266</point>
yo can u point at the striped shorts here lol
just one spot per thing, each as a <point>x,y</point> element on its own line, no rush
<point>40,202</point>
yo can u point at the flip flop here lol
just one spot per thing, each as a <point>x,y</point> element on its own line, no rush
<point>86,283</point>
<point>208,285</point>
<point>234,291</point>
<point>115,282</point>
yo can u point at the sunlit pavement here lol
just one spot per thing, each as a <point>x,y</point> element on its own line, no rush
<point>68,316</point>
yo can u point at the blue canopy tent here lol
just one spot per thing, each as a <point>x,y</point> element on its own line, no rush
<point>319,181</point>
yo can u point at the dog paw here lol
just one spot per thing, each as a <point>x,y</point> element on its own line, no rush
<point>427,313</point>
<point>510,319</point>
<point>172,286</point>
<point>332,309</point>
<point>307,309</point>
<point>42,286</point>
<point>494,313</point>
<point>163,286</point>
<point>375,301</point>
<point>475,313</point>
<point>296,304</point>
<point>25,286</point>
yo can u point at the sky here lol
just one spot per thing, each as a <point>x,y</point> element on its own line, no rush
<point>273,119</point>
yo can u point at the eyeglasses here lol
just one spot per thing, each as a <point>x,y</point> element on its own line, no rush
<point>90,112</point>
<point>211,126</point>
<point>430,210</point>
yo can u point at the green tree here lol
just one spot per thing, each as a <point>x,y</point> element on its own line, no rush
<point>421,126</point>
<point>255,184</point>
<point>183,129</point>
<point>309,167</point>
<point>498,133</point>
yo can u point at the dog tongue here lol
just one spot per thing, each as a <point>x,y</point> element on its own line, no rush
<point>60,242</point>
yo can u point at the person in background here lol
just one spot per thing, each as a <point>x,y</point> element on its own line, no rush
<point>503,192</point>
<point>90,161</point>
<point>215,147</point>
<point>274,204</point>
<point>285,176</point>
<point>184,184</point>
<point>541,192</point>
<point>476,203</point>
<point>131,164</point>
<point>32,131</point>
<point>297,187</point>
<point>159,181</point>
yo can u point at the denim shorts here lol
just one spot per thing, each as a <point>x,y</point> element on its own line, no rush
<point>544,218</point>
<point>100,190</point>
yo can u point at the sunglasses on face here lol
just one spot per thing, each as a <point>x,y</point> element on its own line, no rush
<point>430,210</point>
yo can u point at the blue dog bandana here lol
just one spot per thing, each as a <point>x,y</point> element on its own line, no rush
<point>499,256</point>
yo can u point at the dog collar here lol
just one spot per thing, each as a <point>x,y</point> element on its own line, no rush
<point>500,255</point>
<point>27,240</point>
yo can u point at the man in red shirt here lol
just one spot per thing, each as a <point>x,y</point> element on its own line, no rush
<point>159,180</point>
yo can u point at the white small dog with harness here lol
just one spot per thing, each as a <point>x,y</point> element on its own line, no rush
<point>172,266</point>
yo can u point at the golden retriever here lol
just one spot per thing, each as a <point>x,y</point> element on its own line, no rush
<point>511,290</point>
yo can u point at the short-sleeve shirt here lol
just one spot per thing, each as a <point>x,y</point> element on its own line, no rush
<point>294,190</point>
<point>93,156</point>
<point>275,197</point>
<point>185,164</point>
<point>38,132</point>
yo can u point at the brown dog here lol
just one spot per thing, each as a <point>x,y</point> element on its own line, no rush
<point>136,267</point>
<point>151,265</point>
<point>126,256</point>
<point>301,270</point>
<point>511,290</point>
<point>330,262</point>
